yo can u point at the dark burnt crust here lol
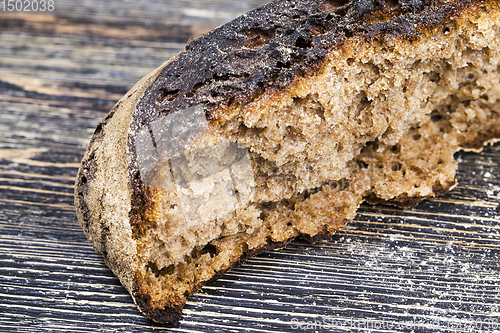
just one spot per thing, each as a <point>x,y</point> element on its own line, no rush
<point>172,314</point>
<point>274,45</point>
<point>169,315</point>
<point>139,202</point>
<point>477,142</point>
<point>402,201</point>
<point>85,177</point>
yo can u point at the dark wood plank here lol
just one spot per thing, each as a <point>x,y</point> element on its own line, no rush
<point>433,268</point>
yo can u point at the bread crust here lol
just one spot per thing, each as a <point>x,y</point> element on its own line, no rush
<point>103,192</point>
<point>255,57</point>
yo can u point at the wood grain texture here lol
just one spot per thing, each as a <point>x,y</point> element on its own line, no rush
<point>434,268</point>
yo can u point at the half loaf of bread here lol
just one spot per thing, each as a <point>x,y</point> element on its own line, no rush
<point>278,125</point>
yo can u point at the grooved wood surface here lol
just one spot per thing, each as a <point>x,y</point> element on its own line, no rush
<point>434,268</point>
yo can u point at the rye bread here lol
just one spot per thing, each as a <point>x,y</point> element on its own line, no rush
<point>337,102</point>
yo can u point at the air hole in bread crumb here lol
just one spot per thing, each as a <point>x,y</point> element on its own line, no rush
<point>362,164</point>
<point>435,117</point>
<point>434,76</point>
<point>396,166</point>
<point>344,183</point>
<point>395,149</point>
<point>416,169</point>
<point>373,146</point>
<point>417,136</point>
<point>210,249</point>
<point>376,69</point>
<point>158,272</point>
<point>195,254</point>
<point>364,103</point>
<point>320,111</point>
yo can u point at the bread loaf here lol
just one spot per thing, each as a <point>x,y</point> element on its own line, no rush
<point>279,125</point>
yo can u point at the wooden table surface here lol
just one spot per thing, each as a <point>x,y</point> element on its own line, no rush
<point>434,268</point>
